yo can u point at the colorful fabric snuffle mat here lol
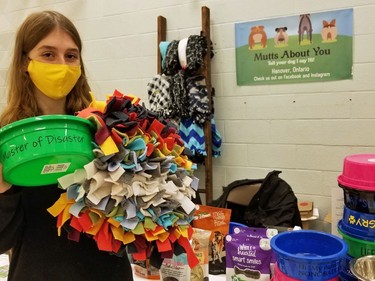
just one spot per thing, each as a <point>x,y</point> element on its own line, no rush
<point>135,196</point>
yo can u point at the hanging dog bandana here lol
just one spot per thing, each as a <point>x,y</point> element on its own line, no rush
<point>159,95</point>
<point>172,64</point>
<point>196,50</point>
<point>199,104</point>
<point>194,138</point>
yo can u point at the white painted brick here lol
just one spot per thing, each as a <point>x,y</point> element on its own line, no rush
<point>7,42</point>
<point>247,131</point>
<point>360,150</point>
<point>363,19</point>
<point>272,156</point>
<point>80,10</point>
<point>362,105</point>
<point>304,181</point>
<point>295,131</point>
<point>322,105</point>
<point>222,36</point>
<point>355,132</point>
<point>231,108</point>
<point>4,60</point>
<point>121,47</point>
<point>240,172</point>
<point>140,67</point>
<point>223,61</point>
<point>362,44</point>
<point>3,96</point>
<point>3,77</point>
<point>309,157</point>
<point>233,155</point>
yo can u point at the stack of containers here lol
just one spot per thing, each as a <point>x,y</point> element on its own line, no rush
<point>357,226</point>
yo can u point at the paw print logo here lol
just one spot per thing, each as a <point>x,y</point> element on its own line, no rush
<point>352,219</point>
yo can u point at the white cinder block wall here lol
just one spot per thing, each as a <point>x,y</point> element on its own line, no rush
<point>304,130</point>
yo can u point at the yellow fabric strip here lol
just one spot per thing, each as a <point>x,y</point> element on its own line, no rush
<point>60,205</point>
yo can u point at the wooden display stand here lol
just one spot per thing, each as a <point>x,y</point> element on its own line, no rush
<point>162,28</point>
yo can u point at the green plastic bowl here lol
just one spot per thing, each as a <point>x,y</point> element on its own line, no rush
<point>358,246</point>
<point>37,151</point>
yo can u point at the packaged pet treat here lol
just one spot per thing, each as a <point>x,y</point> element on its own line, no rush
<point>248,258</point>
<point>255,231</point>
<point>177,268</point>
<point>144,269</point>
<point>200,244</point>
<point>217,221</point>
<point>259,232</point>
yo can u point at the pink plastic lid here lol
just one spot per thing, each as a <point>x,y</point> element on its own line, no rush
<point>358,172</point>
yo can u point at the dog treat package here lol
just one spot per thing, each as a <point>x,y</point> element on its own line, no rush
<point>248,258</point>
<point>217,221</point>
<point>259,232</point>
<point>144,269</point>
<point>255,231</point>
<point>200,243</point>
<point>177,268</point>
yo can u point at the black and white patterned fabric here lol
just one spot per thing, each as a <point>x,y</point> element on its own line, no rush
<point>158,90</point>
<point>196,50</point>
<point>179,96</point>
<point>172,63</point>
<point>199,104</point>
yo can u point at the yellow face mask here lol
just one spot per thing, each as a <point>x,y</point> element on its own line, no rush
<point>54,80</point>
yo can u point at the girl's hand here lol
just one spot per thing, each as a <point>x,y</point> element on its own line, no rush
<point>4,186</point>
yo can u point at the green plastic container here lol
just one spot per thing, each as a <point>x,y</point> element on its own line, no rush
<point>358,246</point>
<point>37,151</point>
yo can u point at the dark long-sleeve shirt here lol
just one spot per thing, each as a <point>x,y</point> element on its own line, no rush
<point>39,254</point>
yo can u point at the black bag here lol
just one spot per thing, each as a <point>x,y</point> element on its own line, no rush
<point>272,202</point>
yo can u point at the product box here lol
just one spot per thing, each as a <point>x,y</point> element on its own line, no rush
<point>306,209</point>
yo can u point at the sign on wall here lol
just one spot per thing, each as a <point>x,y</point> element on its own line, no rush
<point>295,49</point>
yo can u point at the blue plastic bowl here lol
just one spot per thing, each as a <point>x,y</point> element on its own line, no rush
<point>358,223</point>
<point>346,274</point>
<point>232,225</point>
<point>309,255</point>
<point>354,234</point>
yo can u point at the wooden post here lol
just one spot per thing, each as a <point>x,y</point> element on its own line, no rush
<point>162,36</point>
<point>207,125</point>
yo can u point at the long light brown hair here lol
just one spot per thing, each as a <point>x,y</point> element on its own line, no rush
<point>21,99</point>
